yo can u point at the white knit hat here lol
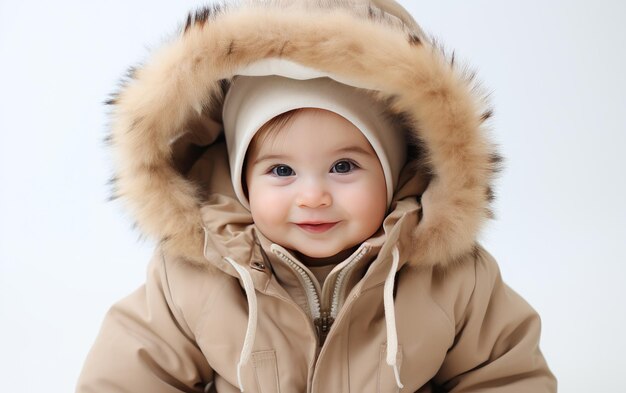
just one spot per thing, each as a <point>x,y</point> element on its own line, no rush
<point>252,101</point>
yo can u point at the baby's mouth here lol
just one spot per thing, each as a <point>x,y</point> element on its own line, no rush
<point>316,227</point>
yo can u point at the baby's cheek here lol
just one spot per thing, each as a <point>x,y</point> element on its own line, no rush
<point>369,195</point>
<point>368,205</point>
<point>268,208</point>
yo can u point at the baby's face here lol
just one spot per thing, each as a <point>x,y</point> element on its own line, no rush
<point>316,186</point>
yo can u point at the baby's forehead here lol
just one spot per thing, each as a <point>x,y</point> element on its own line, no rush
<point>309,129</point>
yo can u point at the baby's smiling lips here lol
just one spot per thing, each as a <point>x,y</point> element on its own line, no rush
<point>316,227</point>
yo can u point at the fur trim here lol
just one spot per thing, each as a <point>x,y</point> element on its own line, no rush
<point>185,80</point>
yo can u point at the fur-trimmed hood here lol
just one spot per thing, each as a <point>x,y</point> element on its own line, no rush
<point>166,119</point>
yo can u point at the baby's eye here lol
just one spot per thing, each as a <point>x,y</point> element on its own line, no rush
<point>282,170</point>
<point>343,166</point>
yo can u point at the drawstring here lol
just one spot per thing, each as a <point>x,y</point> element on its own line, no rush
<point>390,317</point>
<point>248,286</point>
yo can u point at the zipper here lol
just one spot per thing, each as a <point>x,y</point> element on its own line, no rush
<point>323,309</point>
<point>309,287</point>
<point>339,281</point>
<point>323,324</point>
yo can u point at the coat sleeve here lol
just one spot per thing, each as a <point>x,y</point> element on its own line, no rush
<point>496,348</point>
<point>145,345</point>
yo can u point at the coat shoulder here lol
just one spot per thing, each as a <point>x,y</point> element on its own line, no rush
<point>191,288</point>
<point>453,285</point>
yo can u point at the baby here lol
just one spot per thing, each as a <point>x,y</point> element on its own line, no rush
<point>317,185</point>
<point>316,175</point>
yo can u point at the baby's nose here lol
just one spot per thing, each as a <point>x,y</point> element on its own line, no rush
<point>313,194</point>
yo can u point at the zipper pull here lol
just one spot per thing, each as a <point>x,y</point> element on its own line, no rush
<point>323,324</point>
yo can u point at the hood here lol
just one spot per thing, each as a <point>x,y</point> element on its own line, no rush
<point>166,126</point>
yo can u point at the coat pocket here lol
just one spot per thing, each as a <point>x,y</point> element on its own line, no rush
<point>386,378</point>
<point>266,371</point>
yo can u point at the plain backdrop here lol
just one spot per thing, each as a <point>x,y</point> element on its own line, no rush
<point>555,73</point>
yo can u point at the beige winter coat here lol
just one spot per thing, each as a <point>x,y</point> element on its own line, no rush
<point>419,305</point>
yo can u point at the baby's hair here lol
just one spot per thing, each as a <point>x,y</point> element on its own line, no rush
<point>271,128</point>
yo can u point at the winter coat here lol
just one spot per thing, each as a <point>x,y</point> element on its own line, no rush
<point>419,307</point>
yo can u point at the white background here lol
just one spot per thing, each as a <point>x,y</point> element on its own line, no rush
<point>556,73</point>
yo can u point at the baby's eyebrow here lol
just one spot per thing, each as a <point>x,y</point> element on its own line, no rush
<point>269,157</point>
<point>354,149</point>
<point>347,149</point>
